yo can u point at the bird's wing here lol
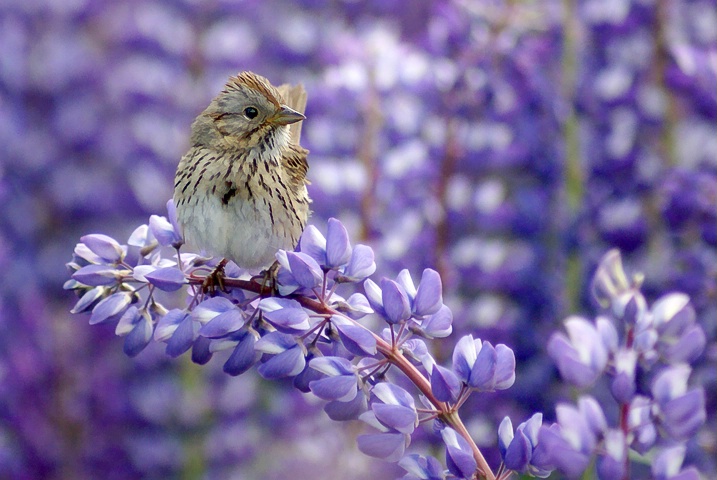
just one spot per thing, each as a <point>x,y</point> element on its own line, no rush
<point>295,164</point>
<point>295,97</point>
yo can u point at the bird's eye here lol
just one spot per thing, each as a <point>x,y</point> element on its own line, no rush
<point>250,112</point>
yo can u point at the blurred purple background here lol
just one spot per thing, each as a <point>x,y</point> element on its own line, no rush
<point>506,144</point>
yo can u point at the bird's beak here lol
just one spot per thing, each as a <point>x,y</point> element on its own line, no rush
<point>286,115</point>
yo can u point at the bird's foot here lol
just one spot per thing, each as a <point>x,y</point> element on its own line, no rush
<point>215,280</point>
<point>267,278</point>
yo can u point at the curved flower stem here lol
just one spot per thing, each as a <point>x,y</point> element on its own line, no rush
<point>447,414</point>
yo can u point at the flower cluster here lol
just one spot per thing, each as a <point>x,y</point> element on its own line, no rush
<point>306,331</point>
<point>644,354</point>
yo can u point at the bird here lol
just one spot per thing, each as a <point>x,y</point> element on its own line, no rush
<point>240,191</point>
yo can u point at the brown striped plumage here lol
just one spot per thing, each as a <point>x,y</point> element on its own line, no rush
<point>240,190</point>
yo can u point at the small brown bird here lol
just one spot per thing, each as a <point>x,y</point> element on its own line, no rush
<point>240,190</point>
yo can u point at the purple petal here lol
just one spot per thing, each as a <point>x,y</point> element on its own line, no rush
<point>688,348</point>
<point>332,366</point>
<point>111,308</point>
<point>305,270</point>
<point>420,467</point>
<point>313,244</point>
<point>438,325</point>
<point>168,324</point>
<point>201,351</point>
<point>683,416</point>
<point>668,461</point>
<point>395,302</point>
<point>562,455</point>
<point>519,452</point>
<point>342,388</point>
<point>210,308</point>
<point>566,358</point>
<point>374,296</point>
<point>275,342</point>
<point>388,446</point>
<point>96,275</point>
<point>164,231</point>
<point>361,265</point>
<point>612,463</point>
<point>338,248</point>
<point>393,394</point>
<point>286,364</point>
<point>104,247</point>
<point>429,296</point>
<point>592,412</point>
<point>459,457</point>
<point>223,324</point>
<point>89,300</point>
<point>344,411</point>
<point>243,357</point>
<point>670,383</point>
<point>183,337</point>
<point>464,357</point>
<point>286,315</point>
<point>396,417</point>
<point>127,321</point>
<point>168,279</point>
<point>445,384</point>
<point>357,339</point>
<point>139,337</point>
<point>505,367</point>
<point>505,435</point>
<point>483,372</point>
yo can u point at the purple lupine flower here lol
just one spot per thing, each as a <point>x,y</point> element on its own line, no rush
<point>458,454</point>
<point>341,382</point>
<point>681,411</point>
<point>285,315</point>
<point>421,468</point>
<point>582,356</point>
<point>483,367</point>
<point>667,465</point>
<point>283,356</point>
<point>570,443</point>
<point>520,451</point>
<point>393,407</point>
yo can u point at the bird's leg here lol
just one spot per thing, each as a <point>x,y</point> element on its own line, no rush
<point>215,279</point>
<point>268,277</point>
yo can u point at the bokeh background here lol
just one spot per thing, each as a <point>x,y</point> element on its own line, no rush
<point>508,144</point>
